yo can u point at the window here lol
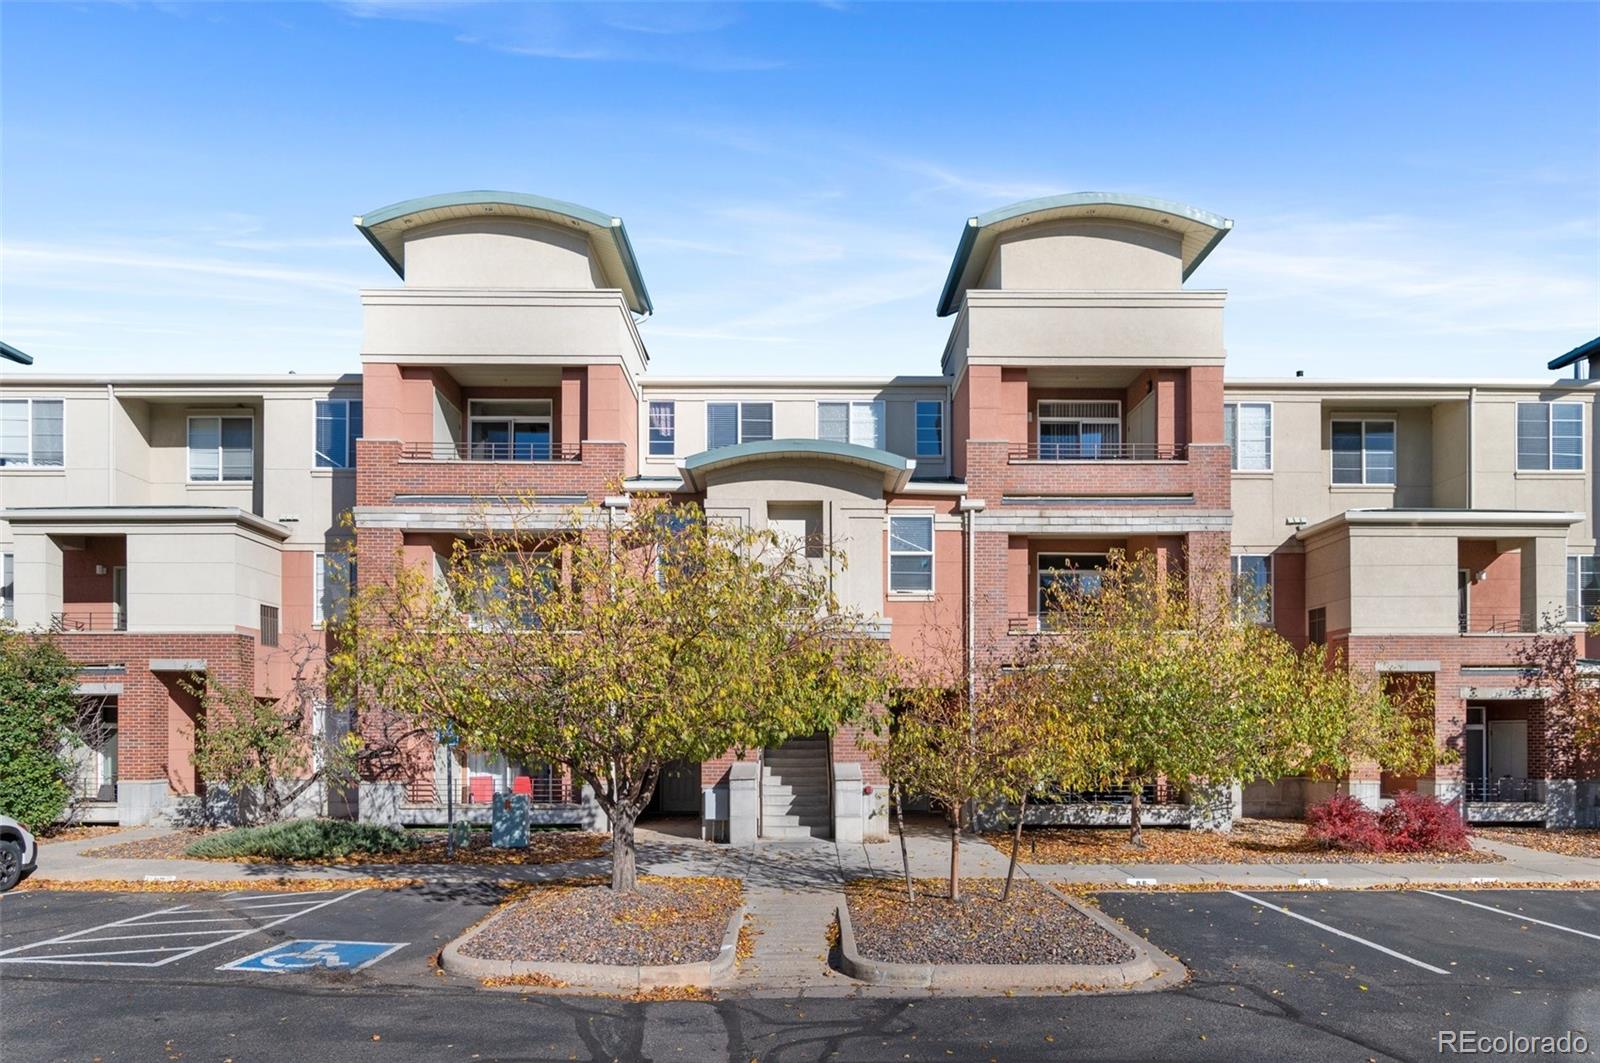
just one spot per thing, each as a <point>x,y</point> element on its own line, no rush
<point>496,579</point>
<point>730,423</point>
<point>1247,429</point>
<point>509,429</point>
<point>222,449</point>
<point>1064,575</point>
<point>269,625</point>
<point>30,432</point>
<point>334,577</point>
<point>1363,452</point>
<point>851,422</point>
<point>1079,430</point>
<point>1464,596</point>
<point>1583,590</point>
<point>1252,586</point>
<point>1549,436</point>
<point>930,429</point>
<point>1317,625</point>
<point>910,555</point>
<point>663,429</point>
<point>338,428</point>
<point>8,588</point>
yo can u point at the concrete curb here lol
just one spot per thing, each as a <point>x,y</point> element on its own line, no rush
<point>1150,968</point>
<point>702,975</point>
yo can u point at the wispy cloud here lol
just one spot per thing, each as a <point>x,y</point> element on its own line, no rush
<point>45,257</point>
<point>685,35</point>
<point>985,189</point>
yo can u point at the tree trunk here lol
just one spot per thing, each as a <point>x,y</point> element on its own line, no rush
<point>955,855</point>
<point>1136,817</point>
<point>905,860</point>
<point>1016,844</point>
<point>624,853</point>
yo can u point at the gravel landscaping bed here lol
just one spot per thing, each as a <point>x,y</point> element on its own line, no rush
<point>669,921</point>
<point>75,833</point>
<point>1035,926</point>
<point>1585,843</point>
<point>1253,841</point>
<point>544,847</point>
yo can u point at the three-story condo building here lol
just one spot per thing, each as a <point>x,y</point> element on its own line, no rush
<point>176,529</point>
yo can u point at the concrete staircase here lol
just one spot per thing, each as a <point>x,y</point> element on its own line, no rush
<point>794,790</point>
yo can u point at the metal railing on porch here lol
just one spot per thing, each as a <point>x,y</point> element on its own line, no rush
<point>103,618</point>
<point>518,452</point>
<point>1098,452</point>
<point>1504,790</point>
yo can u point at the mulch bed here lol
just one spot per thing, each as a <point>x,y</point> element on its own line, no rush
<point>1035,926</point>
<point>670,920</point>
<point>1585,843</point>
<point>75,833</point>
<point>544,847</point>
<point>1253,841</point>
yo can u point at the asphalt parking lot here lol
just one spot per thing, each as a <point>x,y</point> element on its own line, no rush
<point>1346,976</point>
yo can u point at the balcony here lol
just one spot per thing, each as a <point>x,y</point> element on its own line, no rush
<point>1058,452</point>
<point>89,618</point>
<point>492,452</point>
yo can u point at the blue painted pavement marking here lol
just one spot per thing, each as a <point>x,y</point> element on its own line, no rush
<point>303,955</point>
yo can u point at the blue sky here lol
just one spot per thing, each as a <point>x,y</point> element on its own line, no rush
<point>1416,188</point>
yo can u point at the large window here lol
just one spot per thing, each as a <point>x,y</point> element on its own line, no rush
<point>930,429</point>
<point>851,422</point>
<point>222,449</point>
<point>731,423</point>
<point>911,555</point>
<point>663,429</point>
<point>8,588</point>
<point>1252,586</point>
<point>1247,429</point>
<point>1317,625</point>
<point>334,577</point>
<point>30,432</point>
<point>1549,436</point>
<point>1060,576</point>
<point>1079,430</point>
<point>1583,590</point>
<point>338,428</point>
<point>1363,452</point>
<point>509,429</point>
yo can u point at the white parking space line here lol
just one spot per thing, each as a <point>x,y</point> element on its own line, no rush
<point>1341,933</point>
<point>1513,915</point>
<point>136,922</point>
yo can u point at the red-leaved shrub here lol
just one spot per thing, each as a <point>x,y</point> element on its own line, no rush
<point>1415,823</point>
<point>1342,822</point>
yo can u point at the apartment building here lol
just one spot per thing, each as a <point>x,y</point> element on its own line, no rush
<point>180,528</point>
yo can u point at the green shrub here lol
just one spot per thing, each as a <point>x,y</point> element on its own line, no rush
<point>37,705</point>
<point>304,839</point>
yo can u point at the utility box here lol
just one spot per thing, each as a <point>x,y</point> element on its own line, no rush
<point>508,823</point>
<point>714,814</point>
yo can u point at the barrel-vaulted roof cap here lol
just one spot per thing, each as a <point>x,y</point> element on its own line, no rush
<point>385,229</point>
<point>1201,230</point>
<point>896,470</point>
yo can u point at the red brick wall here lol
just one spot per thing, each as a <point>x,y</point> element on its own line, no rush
<point>382,474</point>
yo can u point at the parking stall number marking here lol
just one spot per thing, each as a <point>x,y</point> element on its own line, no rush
<point>294,956</point>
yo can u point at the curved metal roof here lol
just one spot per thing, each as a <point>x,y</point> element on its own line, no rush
<point>1201,230</point>
<point>11,354</point>
<point>1582,350</point>
<point>385,229</point>
<point>896,469</point>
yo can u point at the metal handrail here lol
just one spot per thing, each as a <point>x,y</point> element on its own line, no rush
<point>1495,624</point>
<point>1071,452</point>
<point>500,452</point>
<point>1506,788</point>
<point>101,619</point>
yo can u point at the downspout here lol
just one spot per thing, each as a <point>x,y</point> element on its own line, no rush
<point>970,507</point>
<point>1472,405</point>
<point>111,444</point>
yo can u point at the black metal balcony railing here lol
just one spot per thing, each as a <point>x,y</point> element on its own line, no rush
<point>106,618</point>
<point>1116,794</point>
<point>529,452</point>
<point>1098,452</point>
<point>1494,624</point>
<point>1505,789</point>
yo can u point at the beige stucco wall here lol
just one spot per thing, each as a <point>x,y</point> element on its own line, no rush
<point>1497,483</point>
<point>794,416</point>
<point>1086,255</point>
<point>852,507</point>
<point>498,253</point>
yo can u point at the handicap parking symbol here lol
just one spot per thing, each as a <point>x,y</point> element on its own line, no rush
<point>298,956</point>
